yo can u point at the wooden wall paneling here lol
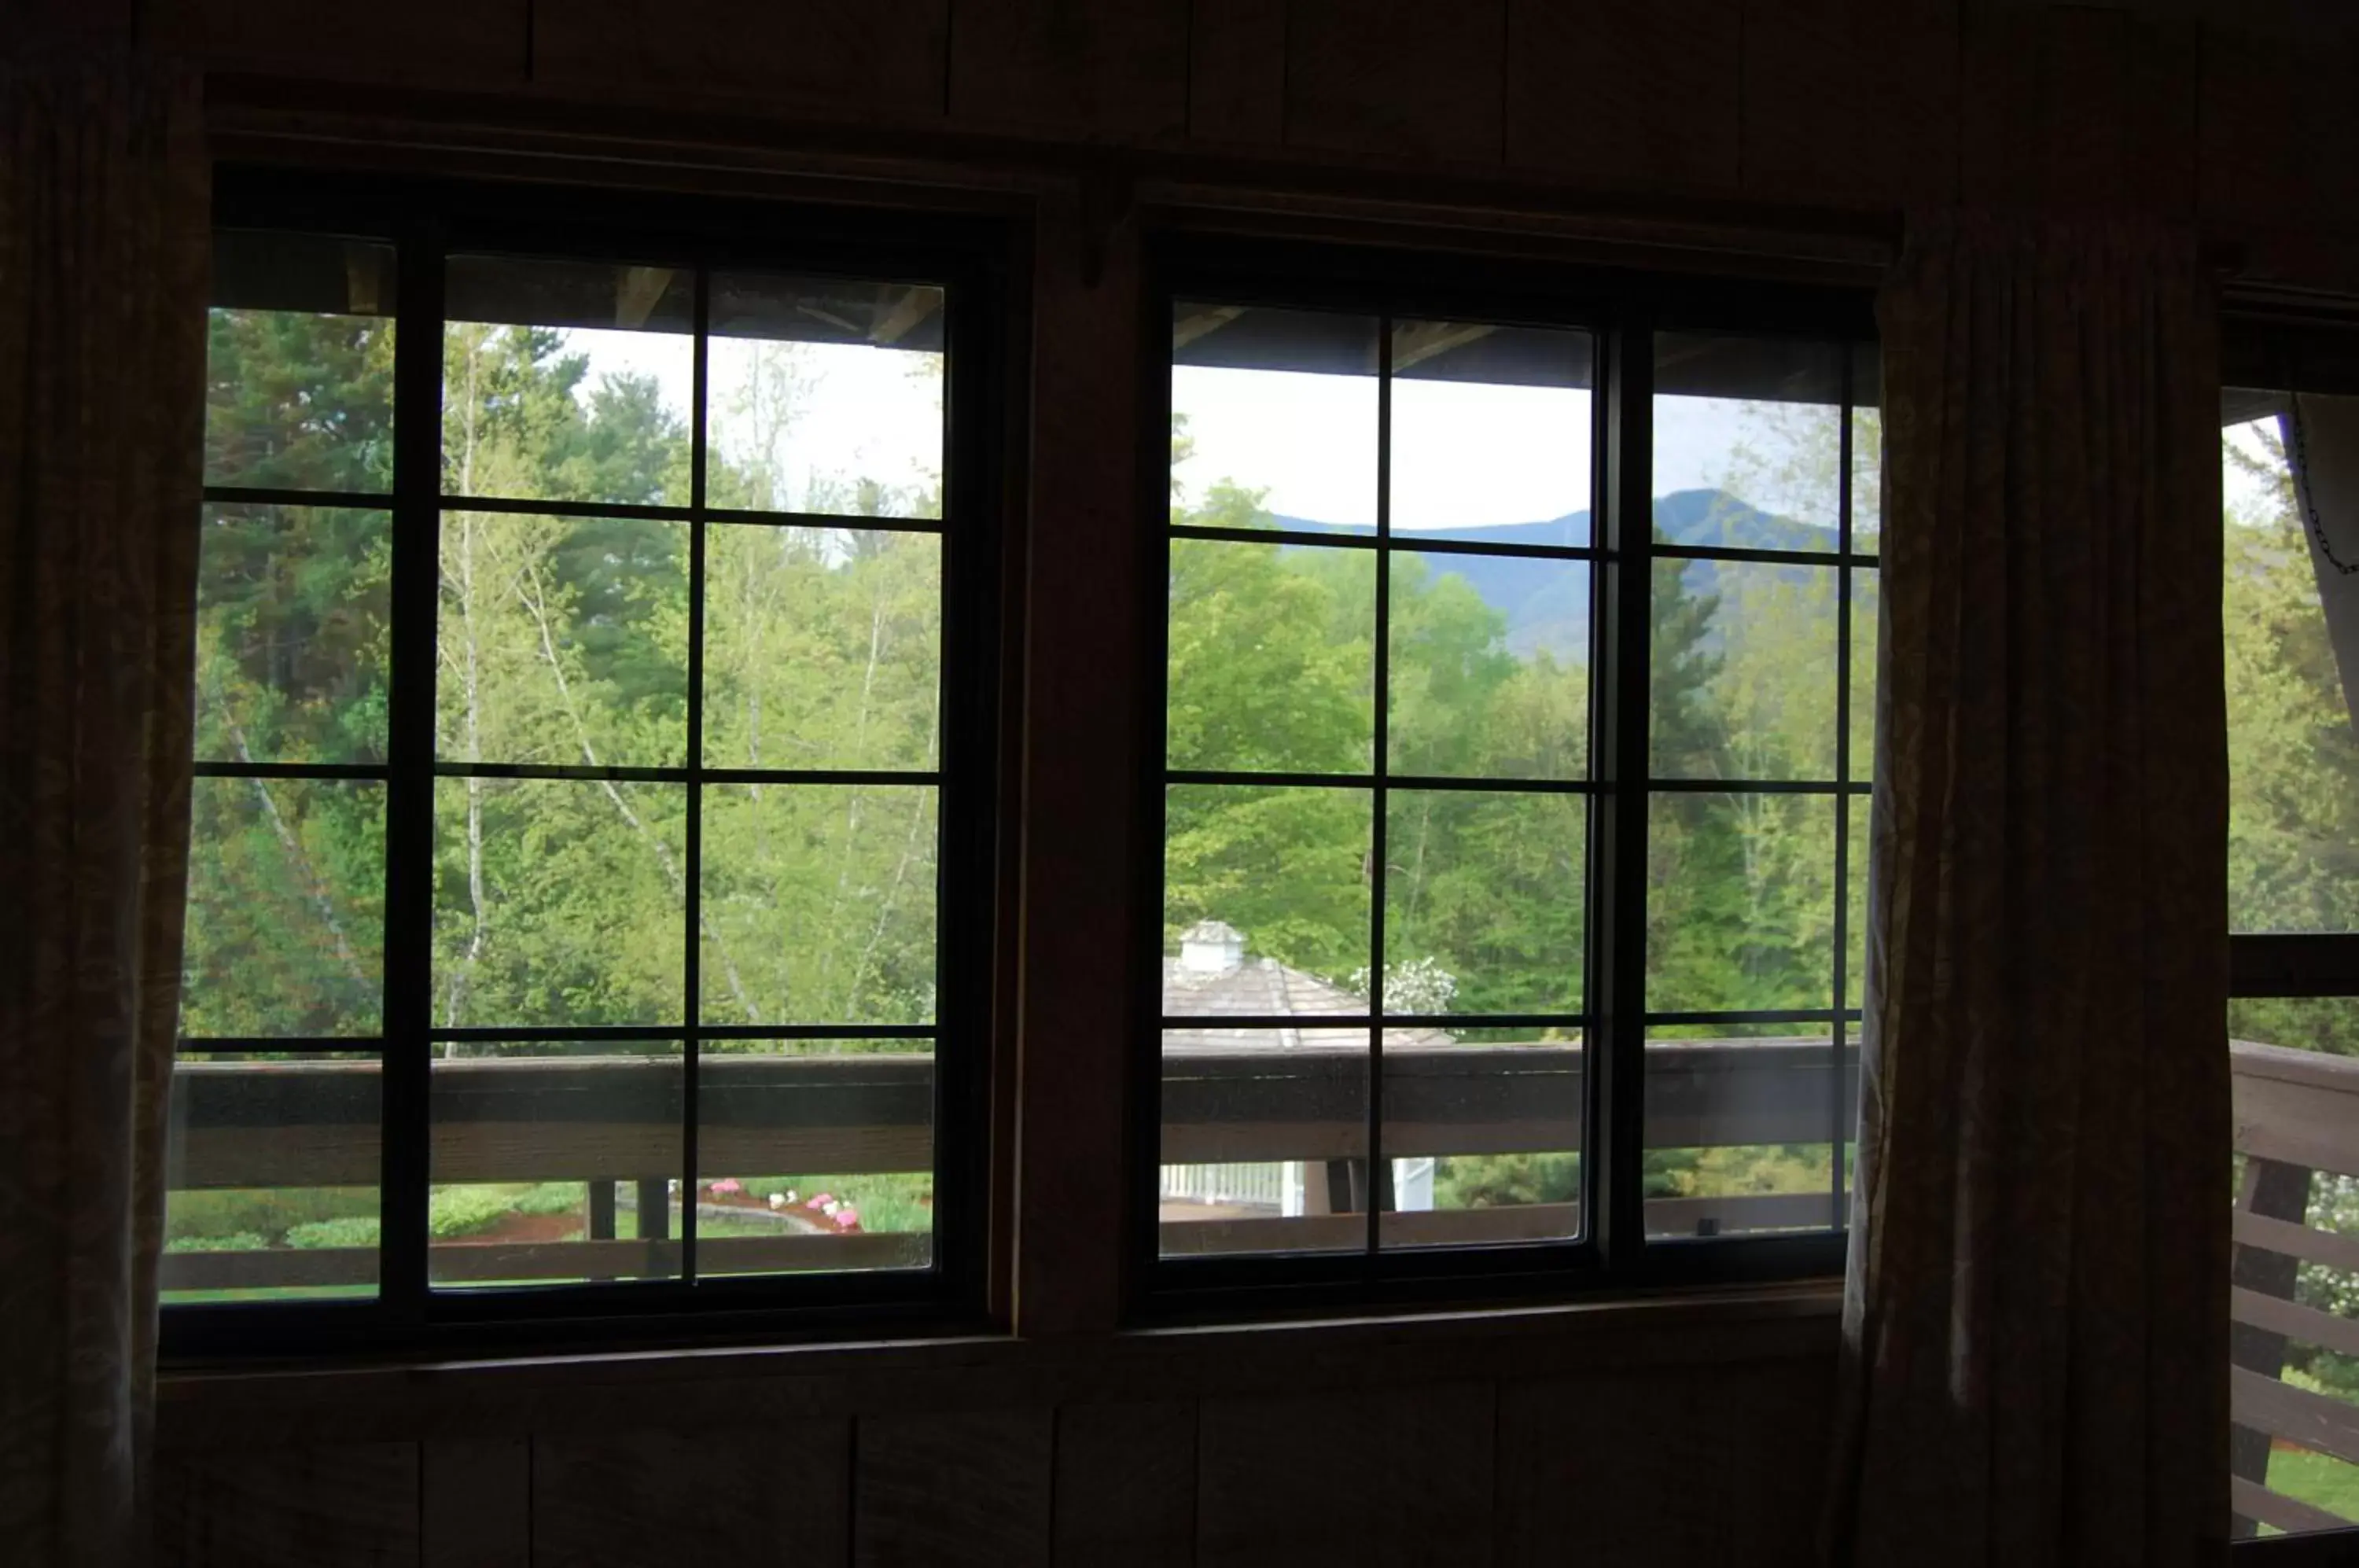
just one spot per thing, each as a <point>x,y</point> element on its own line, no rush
<point>1851,100</point>
<point>1400,1476</point>
<point>954,1488</point>
<point>332,1505</point>
<point>1237,71</point>
<point>1396,78</point>
<point>2080,110</point>
<point>1082,728</point>
<point>888,56</point>
<point>2326,93</point>
<point>475,1503</point>
<point>1626,92</point>
<point>2249,119</point>
<point>1666,1467</point>
<point>442,43</point>
<point>1126,1495</point>
<point>771,1496</point>
<point>1117,68</point>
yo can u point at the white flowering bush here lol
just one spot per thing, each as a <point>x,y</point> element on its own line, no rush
<point>1412,985</point>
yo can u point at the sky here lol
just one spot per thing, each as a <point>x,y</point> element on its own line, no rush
<point>861,412</point>
<point>1463,453</point>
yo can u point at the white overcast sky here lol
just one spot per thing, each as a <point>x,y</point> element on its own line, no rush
<point>1463,453</point>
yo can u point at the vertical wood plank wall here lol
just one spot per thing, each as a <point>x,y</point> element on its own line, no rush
<point>1458,1443</point>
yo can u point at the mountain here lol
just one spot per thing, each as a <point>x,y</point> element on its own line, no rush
<point>1546,603</point>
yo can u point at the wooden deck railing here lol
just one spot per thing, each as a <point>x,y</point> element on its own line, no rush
<point>615,1120</point>
<point>2296,1116</point>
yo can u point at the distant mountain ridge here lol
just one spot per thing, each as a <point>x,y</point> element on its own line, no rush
<point>1546,603</point>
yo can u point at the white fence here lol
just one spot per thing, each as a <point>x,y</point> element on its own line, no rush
<point>1261,1186</point>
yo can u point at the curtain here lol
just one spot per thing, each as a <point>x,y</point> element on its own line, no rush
<point>2322,442</point>
<point>2035,1313</point>
<point>103,255</point>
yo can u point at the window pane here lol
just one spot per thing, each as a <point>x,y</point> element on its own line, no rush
<point>1858,813</point>
<point>1742,1129</point>
<point>1489,666</point>
<point>1490,433</point>
<point>299,363</point>
<point>554,1163</point>
<point>825,396</point>
<point>1748,443</point>
<point>1744,670</point>
<point>270,1176</point>
<point>1483,902</point>
<point>1483,1141</point>
<point>1867,448</point>
<point>291,635</point>
<point>557,902</point>
<point>1266,900</point>
<point>562,641</point>
<point>822,648</point>
<point>1273,415</point>
<point>1265,1140</point>
<point>2293,764</point>
<point>845,1129</point>
<point>285,914</point>
<point>1866,591</point>
<point>819,903</point>
<point>1272,666</point>
<point>567,380</point>
<point>1740,911</point>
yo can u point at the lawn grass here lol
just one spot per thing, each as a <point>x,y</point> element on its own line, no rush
<point>2316,1479</point>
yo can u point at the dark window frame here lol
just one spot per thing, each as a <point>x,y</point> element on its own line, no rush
<point>967,256</point>
<point>1622,311</point>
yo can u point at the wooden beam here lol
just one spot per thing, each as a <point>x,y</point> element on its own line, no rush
<point>479,1263</point>
<point>636,294</point>
<point>2290,1319</point>
<point>1201,323</point>
<point>2311,1420</point>
<point>2291,1515</point>
<point>2299,1241</point>
<point>894,319</point>
<point>1414,343</point>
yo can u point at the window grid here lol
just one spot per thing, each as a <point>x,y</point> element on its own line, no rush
<point>1840,792</point>
<point>1615,1015</point>
<point>1380,781</point>
<point>405,1300</point>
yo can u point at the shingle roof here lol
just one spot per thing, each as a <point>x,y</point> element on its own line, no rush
<point>1266,988</point>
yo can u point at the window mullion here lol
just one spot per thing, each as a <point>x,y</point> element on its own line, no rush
<point>409,806</point>
<point>1623,655</point>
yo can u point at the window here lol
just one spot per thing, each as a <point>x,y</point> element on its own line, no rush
<point>593,748</point>
<point>1517,669</point>
<point>2291,619</point>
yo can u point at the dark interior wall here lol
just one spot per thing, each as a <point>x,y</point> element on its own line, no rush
<point>2238,114</point>
<point>1687,1435</point>
<point>1641,1434</point>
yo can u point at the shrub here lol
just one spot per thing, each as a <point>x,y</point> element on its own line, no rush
<point>353,1231</point>
<point>465,1211</point>
<point>244,1241</point>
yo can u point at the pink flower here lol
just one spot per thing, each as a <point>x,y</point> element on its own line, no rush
<point>847,1218</point>
<point>820,1201</point>
<point>727,1186</point>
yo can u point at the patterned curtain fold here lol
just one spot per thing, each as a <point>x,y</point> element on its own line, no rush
<point>2036,1321</point>
<point>102,256</point>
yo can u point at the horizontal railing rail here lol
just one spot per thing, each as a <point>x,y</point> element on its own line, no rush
<point>615,1119</point>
